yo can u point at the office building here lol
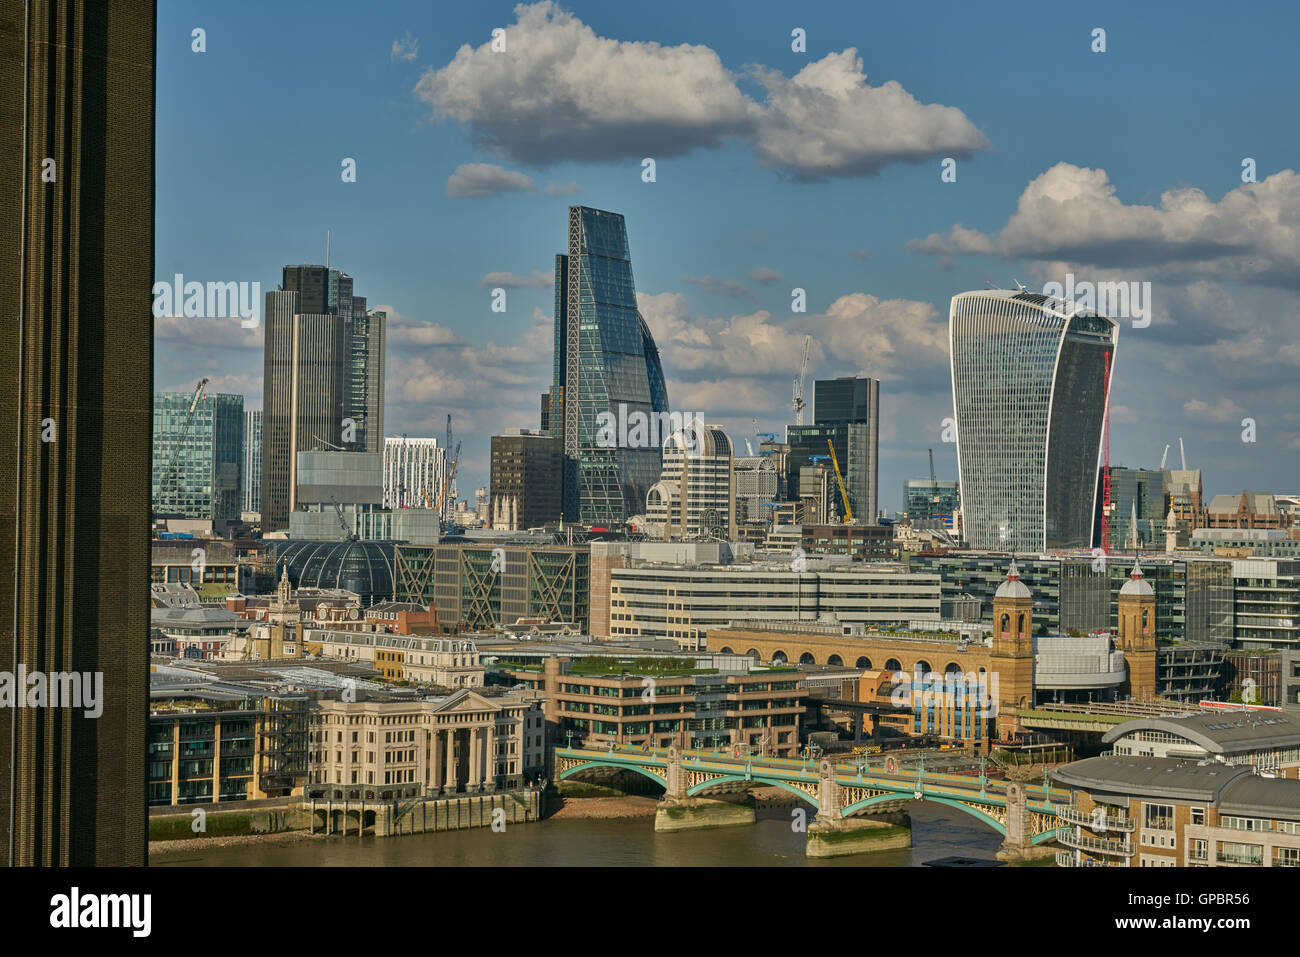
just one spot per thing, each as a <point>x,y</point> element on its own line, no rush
<point>696,492</point>
<point>1029,377</point>
<point>853,402</point>
<point>482,586</point>
<point>76,269</point>
<point>1266,595</point>
<point>322,379</point>
<point>758,483</point>
<point>683,602</point>
<point>923,499</point>
<point>1137,506</point>
<point>251,471</point>
<point>1245,511</point>
<point>414,471</point>
<point>1185,496</point>
<point>526,480</point>
<point>606,365</point>
<point>197,455</point>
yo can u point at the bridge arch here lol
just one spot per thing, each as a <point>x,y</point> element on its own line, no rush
<point>659,779</point>
<point>752,780</point>
<point>892,796</point>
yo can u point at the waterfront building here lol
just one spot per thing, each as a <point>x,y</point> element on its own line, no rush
<point>1263,739</point>
<point>527,480</point>
<point>602,700</point>
<point>1145,811</point>
<point>76,269</point>
<point>464,742</point>
<point>606,364</point>
<point>1029,378</point>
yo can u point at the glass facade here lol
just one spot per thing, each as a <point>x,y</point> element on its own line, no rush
<point>1029,396</point>
<point>605,362</point>
<point>918,496</point>
<point>198,459</point>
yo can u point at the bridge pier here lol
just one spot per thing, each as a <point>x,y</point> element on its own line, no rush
<point>1017,846</point>
<point>834,835</point>
<point>677,812</point>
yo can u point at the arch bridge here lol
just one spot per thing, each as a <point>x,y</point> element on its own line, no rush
<point>1024,814</point>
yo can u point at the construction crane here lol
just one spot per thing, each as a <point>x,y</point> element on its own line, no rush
<point>798,402</point>
<point>169,476</point>
<point>848,512</point>
<point>1164,457</point>
<point>1182,454</point>
<point>1105,475</point>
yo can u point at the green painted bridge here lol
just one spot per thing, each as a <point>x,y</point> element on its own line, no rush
<point>1024,814</point>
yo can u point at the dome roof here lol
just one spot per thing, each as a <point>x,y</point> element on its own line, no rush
<point>1013,587</point>
<point>1137,586</point>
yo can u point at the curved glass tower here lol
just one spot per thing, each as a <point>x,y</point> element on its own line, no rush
<point>605,362</point>
<point>1029,390</point>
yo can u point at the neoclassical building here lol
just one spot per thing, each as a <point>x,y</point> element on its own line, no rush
<point>465,742</point>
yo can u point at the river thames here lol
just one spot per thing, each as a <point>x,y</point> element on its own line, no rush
<point>937,831</point>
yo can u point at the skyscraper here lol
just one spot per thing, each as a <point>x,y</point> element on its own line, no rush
<point>76,266</point>
<point>1029,388</point>
<point>252,461</point>
<point>197,457</point>
<point>322,378</point>
<point>413,471</point>
<point>527,470</point>
<point>846,411</point>
<point>606,363</point>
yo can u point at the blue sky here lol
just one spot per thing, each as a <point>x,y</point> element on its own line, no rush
<point>774,169</point>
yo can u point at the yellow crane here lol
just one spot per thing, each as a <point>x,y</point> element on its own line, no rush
<point>844,496</point>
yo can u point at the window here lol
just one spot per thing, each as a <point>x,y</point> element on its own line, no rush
<point>1198,815</point>
<point>1158,816</point>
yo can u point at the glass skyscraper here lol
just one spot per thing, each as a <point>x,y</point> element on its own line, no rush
<point>1029,391</point>
<point>197,467</point>
<point>252,476</point>
<point>605,362</point>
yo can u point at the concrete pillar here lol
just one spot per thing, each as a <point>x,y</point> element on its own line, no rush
<point>676,786</point>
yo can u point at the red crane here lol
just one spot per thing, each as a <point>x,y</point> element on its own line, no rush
<point>1105,474</point>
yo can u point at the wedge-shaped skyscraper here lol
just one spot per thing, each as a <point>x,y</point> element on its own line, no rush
<point>605,362</point>
<point>1029,378</point>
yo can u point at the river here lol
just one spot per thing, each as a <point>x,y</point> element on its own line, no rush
<point>937,831</point>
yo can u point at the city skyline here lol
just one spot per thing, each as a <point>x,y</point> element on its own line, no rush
<point>714,268</point>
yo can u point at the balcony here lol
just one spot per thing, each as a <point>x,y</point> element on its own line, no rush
<point>1066,859</point>
<point>1096,845</point>
<point>1072,815</point>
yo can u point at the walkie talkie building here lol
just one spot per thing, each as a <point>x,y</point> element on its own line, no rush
<point>1029,376</point>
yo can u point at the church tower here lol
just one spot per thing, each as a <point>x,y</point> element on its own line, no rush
<point>1171,532</point>
<point>1012,659</point>
<point>1136,606</point>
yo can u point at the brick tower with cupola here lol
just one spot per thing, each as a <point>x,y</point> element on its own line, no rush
<point>1012,659</point>
<point>1136,606</point>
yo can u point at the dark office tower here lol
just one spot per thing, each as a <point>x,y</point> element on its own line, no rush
<point>525,480</point>
<point>847,413</point>
<point>323,379</point>
<point>76,269</point>
<point>606,364</point>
